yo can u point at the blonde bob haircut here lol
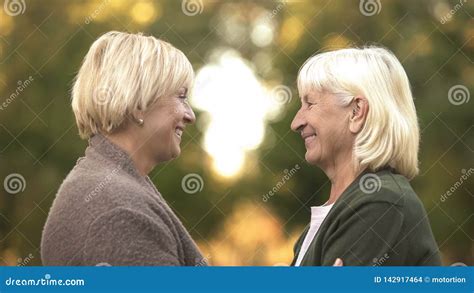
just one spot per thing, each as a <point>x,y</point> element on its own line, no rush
<point>390,135</point>
<point>123,73</point>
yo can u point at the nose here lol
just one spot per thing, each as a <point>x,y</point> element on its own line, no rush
<point>298,122</point>
<point>189,116</point>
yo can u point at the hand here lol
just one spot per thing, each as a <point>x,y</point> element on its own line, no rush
<point>338,263</point>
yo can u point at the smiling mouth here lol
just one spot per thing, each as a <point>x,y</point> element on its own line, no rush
<point>309,138</point>
<point>179,132</point>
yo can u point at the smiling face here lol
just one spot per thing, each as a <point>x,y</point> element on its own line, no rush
<point>324,127</point>
<point>163,126</point>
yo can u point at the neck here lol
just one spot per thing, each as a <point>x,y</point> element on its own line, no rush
<point>341,175</point>
<point>141,161</point>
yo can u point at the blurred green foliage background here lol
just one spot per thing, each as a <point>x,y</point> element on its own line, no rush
<point>41,50</point>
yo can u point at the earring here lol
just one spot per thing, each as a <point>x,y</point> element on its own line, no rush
<point>140,121</point>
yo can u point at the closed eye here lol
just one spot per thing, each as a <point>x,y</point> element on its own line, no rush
<point>307,102</point>
<point>310,104</point>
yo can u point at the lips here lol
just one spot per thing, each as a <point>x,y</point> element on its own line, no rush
<point>308,137</point>
<point>179,131</point>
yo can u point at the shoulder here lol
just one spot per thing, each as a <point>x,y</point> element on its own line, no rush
<point>382,187</point>
<point>100,185</point>
<point>87,193</point>
<point>373,194</point>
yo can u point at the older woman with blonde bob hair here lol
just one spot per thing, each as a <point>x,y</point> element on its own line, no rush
<point>130,100</point>
<point>359,125</point>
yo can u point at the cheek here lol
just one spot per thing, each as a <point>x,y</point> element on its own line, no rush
<point>314,122</point>
<point>177,111</point>
<point>159,124</point>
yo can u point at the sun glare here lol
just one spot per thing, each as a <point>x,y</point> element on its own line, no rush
<point>235,106</point>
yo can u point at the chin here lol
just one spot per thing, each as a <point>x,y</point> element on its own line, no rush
<point>168,156</point>
<point>311,159</point>
<point>175,153</point>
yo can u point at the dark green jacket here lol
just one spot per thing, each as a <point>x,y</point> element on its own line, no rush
<point>378,220</point>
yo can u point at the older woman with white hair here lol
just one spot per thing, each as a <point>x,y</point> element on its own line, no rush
<point>129,100</point>
<point>359,125</point>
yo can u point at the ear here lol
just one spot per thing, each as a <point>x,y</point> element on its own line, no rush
<point>359,110</point>
<point>137,117</point>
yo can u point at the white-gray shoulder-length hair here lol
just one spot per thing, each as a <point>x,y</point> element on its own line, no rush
<point>123,73</point>
<point>390,136</point>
